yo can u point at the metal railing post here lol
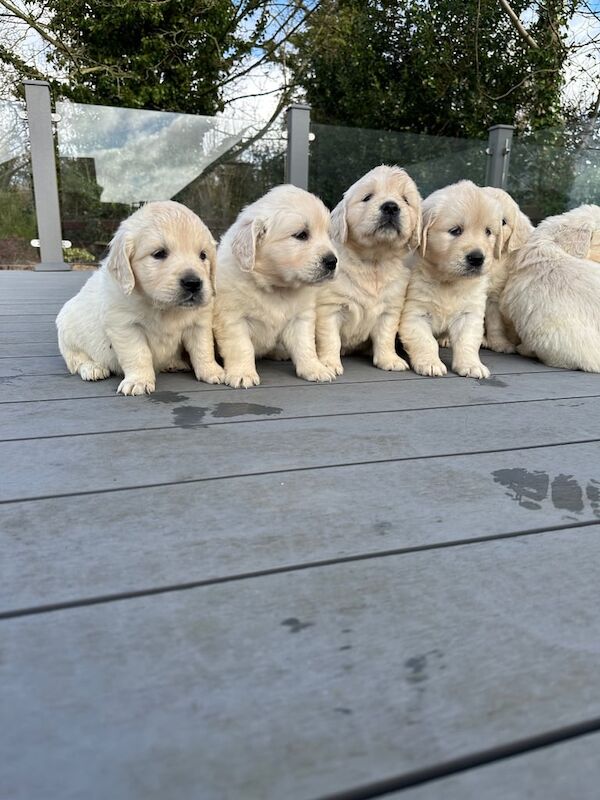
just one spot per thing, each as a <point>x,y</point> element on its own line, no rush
<point>498,153</point>
<point>43,168</point>
<point>298,127</point>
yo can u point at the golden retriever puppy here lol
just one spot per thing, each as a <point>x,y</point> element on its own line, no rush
<point>462,233</point>
<point>374,228</point>
<point>271,262</point>
<point>552,295</point>
<point>516,229</point>
<point>148,305</point>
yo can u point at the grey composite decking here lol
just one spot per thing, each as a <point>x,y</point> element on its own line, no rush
<point>384,587</point>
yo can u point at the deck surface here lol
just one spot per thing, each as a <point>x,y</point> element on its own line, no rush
<point>383,587</point>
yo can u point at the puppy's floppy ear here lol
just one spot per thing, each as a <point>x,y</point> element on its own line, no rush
<point>211,252</point>
<point>428,217</point>
<point>575,241</point>
<point>417,233</point>
<point>119,260</point>
<point>339,223</point>
<point>499,243</point>
<point>520,233</point>
<point>244,242</point>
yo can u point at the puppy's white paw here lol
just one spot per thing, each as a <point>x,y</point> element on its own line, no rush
<point>432,369</point>
<point>136,385</point>
<point>90,371</point>
<point>391,363</point>
<point>333,365</point>
<point>177,366</point>
<point>499,344</point>
<point>316,371</point>
<point>241,380</point>
<point>475,370</point>
<point>211,373</point>
<point>444,341</point>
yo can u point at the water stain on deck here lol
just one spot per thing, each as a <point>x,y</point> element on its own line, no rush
<point>567,493</point>
<point>527,488</point>
<point>530,490</point>
<point>226,410</point>
<point>189,416</point>
<point>168,397</point>
<point>491,382</point>
<point>294,625</point>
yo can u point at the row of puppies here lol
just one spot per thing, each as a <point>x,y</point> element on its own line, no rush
<point>399,264</point>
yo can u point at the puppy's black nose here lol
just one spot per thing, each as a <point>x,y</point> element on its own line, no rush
<point>475,258</point>
<point>389,207</point>
<point>191,283</point>
<point>329,261</point>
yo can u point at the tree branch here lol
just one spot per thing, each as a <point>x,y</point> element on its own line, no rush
<point>518,25</point>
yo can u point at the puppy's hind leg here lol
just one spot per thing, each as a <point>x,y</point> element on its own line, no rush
<point>80,363</point>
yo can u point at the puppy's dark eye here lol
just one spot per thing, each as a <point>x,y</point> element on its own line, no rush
<point>455,231</point>
<point>405,198</point>
<point>488,232</point>
<point>302,236</point>
<point>367,197</point>
<point>160,254</point>
<point>504,222</point>
<point>202,255</point>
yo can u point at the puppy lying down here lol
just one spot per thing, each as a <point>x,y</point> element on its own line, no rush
<point>148,305</point>
<point>552,295</point>
<point>448,284</point>
<point>375,227</point>
<point>271,262</point>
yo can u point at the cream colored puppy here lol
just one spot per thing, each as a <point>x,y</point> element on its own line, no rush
<point>150,301</point>
<point>374,228</point>
<point>516,229</point>
<point>448,284</point>
<point>271,262</point>
<point>552,295</point>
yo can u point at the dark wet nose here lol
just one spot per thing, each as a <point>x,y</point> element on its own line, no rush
<point>475,258</point>
<point>329,261</point>
<point>389,207</point>
<point>191,283</point>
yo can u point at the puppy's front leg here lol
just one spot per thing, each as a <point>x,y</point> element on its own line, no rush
<point>465,335</point>
<point>199,343</point>
<point>299,338</point>
<point>495,330</point>
<point>329,342</point>
<point>383,337</point>
<point>237,350</point>
<point>420,343</point>
<point>135,359</point>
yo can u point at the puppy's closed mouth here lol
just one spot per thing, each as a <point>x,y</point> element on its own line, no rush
<point>388,226</point>
<point>191,301</point>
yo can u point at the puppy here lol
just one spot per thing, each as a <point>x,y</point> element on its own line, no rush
<point>374,228</point>
<point>516,229</point>
<point>271,262</point>
<point>552,295</point>
<point>449,279</point>
<point>151,298</point>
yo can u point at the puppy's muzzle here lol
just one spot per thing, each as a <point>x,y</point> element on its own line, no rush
<point>191,289</point>
<point>389,216</point>
<point>328,266</point>
<point>474,262</point>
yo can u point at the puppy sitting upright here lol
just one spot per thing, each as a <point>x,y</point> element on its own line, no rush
<point>448,284</point>
<point>271,261</point>
<point>150,300</point>
<point>374,227</point>
<point>516,229</point>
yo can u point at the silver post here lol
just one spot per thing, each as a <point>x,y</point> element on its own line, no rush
<point>43,168</point>
<point>298,126</point>
<point>498,153</point>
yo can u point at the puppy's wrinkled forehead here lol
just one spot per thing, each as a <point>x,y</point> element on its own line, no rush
<point>463,204</point>
<point>175,230</point>
<point>298,213</point>
<point>383,180</point>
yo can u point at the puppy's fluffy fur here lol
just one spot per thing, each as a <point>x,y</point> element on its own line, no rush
<point>271,261</point>
<point>448,284</point>
<point>516,229</point>
<point>552,295</point>
<point>374,228</point>
<point>150,300</point>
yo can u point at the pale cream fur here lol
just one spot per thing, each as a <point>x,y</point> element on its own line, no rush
<point>363,304</point>
<point>271,262</point>
<point>552,295</point>
<point>516,229</point>
<point>445,294</point>
<point>134,317</point>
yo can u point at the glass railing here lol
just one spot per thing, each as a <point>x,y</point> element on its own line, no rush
<point>339,156</point>
<point>552,171</point>
<point>111,160</point>
<point>17,214</point>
